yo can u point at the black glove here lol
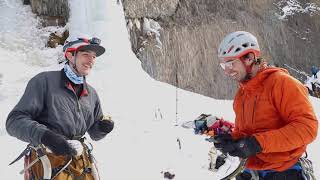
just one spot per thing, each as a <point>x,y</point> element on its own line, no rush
<point>243,176</point>
<point>221,141</point>
<point>57,143</point>
<point>244,147</point>
<point>106,126</point>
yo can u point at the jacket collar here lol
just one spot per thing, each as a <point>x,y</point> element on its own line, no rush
<point>257,81</point>
<point>67,84</point>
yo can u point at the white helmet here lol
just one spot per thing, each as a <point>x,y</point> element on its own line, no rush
<point>238,44</point>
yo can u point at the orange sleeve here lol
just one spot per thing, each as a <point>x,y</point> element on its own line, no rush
<point>291,100</point>
<point>236,134</point>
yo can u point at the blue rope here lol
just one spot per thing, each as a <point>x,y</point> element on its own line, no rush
<point>263,173</point>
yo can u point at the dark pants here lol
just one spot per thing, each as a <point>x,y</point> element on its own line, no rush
<point>290,174</point>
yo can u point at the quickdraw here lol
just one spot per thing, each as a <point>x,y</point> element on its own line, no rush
<point>94,168</point>
<point>307,168</point>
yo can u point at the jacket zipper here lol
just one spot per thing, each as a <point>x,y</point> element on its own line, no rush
<point>77,99</point>
<point>254,108</point>
<point>243,100</point>
<point>78,104</point>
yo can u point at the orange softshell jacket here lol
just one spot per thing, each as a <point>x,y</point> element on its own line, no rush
<point>275,109</point>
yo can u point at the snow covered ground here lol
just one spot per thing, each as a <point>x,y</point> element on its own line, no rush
<point>291,7</point>
<point>144,142</point>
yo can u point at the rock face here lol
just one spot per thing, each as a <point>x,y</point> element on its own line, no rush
<point>150,8</point>
<point>191,31</point>
<point>56,39</point>
<point>176,40</point>
<point>53,12</point>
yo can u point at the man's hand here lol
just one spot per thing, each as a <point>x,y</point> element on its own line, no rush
<point>243,148</point>
<point>246,147</point>
<point>57,143</point>
<point>222,142</point>
<point>106,124</point>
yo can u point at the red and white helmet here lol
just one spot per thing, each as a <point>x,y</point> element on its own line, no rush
<point>82,44</point>
<point>238,44</point>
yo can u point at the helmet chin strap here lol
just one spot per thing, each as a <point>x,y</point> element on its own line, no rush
<point>248,69</point>
<point>74,66</point>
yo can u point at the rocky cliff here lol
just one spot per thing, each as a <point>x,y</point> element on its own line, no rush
<point>176,40</point>
<point>53,12</point>
<point>191,30</point>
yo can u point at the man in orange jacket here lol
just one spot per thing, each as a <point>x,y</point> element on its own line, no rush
<point>274,121</point>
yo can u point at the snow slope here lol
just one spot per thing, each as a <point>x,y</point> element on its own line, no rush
<point>144,142</point>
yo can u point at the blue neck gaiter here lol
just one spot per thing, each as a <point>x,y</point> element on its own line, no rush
<point>72,76</point>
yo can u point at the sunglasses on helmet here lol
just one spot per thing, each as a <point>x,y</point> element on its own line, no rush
<point>94,40</point>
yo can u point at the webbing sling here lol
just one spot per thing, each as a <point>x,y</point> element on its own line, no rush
<point>263,173</point>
